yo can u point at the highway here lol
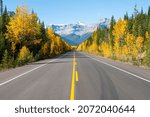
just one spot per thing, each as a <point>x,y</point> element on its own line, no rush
<point>75,76</point>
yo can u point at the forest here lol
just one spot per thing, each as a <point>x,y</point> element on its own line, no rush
<point>24,38</point>
<point>127,39</point>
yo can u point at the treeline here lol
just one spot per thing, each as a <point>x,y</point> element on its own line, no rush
<point>127,39</point>
<point>23,38</point>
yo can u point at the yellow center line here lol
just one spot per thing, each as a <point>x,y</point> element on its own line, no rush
<point>72,93</point>
<point>75,77</point>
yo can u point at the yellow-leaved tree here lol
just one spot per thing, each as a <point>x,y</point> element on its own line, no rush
<point>23,28</point>
<point>24,55</point>
<point>54,45</point>
<point>140,44</point>
<point>140,49</point>
<point>105,49</point>
<point>130,40</point>
<point>119,33</point>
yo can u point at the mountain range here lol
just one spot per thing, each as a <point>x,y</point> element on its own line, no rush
<point>74,34</point>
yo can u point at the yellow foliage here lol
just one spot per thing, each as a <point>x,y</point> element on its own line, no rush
<point>79,48</point>
<point>73,47</point>
<point>93,48</point>
<point>37,42</point>
<point>23,27</point>
<point>120,30</point>
<point>139,43</point>
<point>119,33</point>
<point>125,46</point>
<point>51,34</point>
<point>82,47</point>
<point>125,52</point>
<point>106,49</point>
<point>54,45</point>
<point>132,45</point>
<point>147,35</point>
<point>117,50</point>
<point>24,54</point>
<point>46,48</point>
<point>13,47</point>
<point>130,42</point>
<point>95,36</point>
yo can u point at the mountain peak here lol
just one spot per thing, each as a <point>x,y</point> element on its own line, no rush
<point>81,23</point>
<point>78,32</point>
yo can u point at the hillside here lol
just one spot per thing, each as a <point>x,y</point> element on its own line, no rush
<point>126,40</point>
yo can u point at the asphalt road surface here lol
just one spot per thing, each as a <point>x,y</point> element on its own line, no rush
<point>76,76</point>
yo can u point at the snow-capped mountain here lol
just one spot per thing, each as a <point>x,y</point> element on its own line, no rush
<point>76,33</point>
<point>103,23</point>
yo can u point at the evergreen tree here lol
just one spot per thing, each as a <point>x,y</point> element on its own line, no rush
<point>139,30</point>
<point>126,17</point>
<point>142,12</point>
<point>136,12</point>
<point>5,20</point>
<point>1,13</point>
<point>5,60</point>
<point>148,53</point>
<point>148,20</point>
<point>1,7</point>
<point>43,31</point>
<point>130,25</point>
<point>149,11</point>
<point>149,26</point>
<point>112,23</point>
<point>2,46</point>
<point>135,26</point>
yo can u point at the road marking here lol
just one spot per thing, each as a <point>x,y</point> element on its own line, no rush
<point>76,63</point>
<point>77,77</point>
<point>139,77</point>
<point>30,70</point>
<point>74,77</point>
<point>72,93</point>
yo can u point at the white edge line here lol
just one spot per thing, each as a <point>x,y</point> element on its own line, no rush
<point>139,77</point>
<point>30,70</point>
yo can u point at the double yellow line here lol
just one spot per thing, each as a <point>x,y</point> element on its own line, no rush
<point>74,77</point>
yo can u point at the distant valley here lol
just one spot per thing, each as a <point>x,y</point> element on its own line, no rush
<point>74,34</point>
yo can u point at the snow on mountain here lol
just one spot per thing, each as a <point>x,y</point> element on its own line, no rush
<point>78,28</point>
<point>76,33</point>
<point>103,23</point>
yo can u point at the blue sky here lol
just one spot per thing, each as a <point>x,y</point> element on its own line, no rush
<point>71,11</point>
